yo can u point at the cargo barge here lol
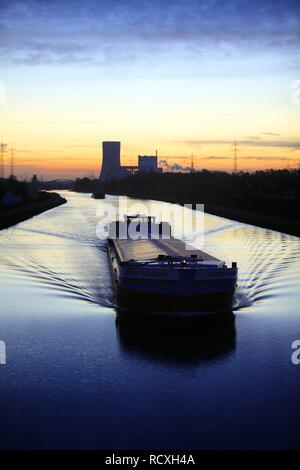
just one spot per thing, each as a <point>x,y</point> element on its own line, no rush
<point>159,275</point>
<point>98,195</point>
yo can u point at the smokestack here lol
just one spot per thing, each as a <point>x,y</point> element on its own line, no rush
<point>111,164</point>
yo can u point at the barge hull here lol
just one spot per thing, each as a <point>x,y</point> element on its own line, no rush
<point>133,295</point>
<point>162,303</point>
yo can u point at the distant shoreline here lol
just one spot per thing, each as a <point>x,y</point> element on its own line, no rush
<point>291,227</point>
<point>271,222</point>
<point>12,215</point>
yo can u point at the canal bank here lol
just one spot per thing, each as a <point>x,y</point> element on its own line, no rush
<point>290,226</point>
<point>11,215</point>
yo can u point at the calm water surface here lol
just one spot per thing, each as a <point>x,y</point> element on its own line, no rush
<point>74,379</point>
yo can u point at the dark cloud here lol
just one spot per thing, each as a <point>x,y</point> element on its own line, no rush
<point>97,32</point>
<point>290,144</point>
<point>266,158</point>
<point>177,167</point>
<point>249,158</point>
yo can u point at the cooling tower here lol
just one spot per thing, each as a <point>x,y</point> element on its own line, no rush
<point>110,161</point>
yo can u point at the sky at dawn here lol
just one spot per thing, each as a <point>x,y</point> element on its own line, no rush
<point>183,77</point>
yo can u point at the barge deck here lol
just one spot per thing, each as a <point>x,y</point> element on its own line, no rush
<point>141,250</point>
<point>165,274</point>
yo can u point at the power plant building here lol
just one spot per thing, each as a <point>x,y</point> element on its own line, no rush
<point>111,160</point>
<point>111,163</point>
<point>148,163</point>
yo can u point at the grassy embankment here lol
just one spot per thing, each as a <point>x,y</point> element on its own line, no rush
<point>269,199</point>
<point>264,220</point>
<point>13,214</point>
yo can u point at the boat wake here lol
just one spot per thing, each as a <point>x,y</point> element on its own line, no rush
<point>59,251</point>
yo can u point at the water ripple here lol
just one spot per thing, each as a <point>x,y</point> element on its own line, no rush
<point>59,251</point>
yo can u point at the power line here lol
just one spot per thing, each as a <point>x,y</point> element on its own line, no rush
<point>12,162</point>
<point>235,159</point>
<point>2,150</point>
<point>192,164</point>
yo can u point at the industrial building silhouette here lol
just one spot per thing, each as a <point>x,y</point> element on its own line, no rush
<point>111,163</point>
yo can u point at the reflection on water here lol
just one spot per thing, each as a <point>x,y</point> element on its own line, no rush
<point>59,251</point>
<point>185,344</point>
<point>268,261</point>
<point>75,379</point>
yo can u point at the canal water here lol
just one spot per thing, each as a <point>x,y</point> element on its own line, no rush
<point>75,378</point>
